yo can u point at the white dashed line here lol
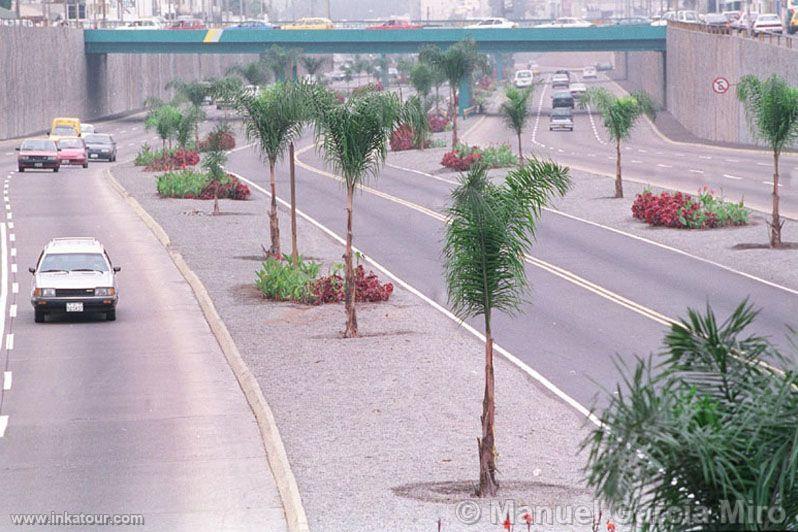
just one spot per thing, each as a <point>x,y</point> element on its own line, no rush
<point>770,183</point>
<point>697,171</point>
<point>8,216</point>
<point>762,164</point>
<point>642,151</point>
<point>12,311</point>
<point>664,165</point>
<point>736,178</point>
<point>8,207</point>
<point>732,160</point>
<point>12,237</point>
<point>635,161</point>
<point>704,156</point>
<point>13,252</point>
<point>593,126</point>
<point>11,225</point>
<point>680,155</point>
<point>537,119</point>
<point>6,380</point>
<point>9,154</point>
<point>15,288</point>
<point>14,268</point>
<point>9,341</point>
<point>3,425</point>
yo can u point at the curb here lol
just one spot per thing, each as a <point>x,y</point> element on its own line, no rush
<point>272,442</point>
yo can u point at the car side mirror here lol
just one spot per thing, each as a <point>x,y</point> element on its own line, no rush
<point>117,269</point>
<point>32,270</point>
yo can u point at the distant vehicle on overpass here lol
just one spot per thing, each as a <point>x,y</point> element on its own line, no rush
<point>253,25</point>
<point>188,24</point>
<point>792,26</point>
<point>310,23</point>
<point>567,22</point>
<point>492,23</point>
<point>396,24</point>
<point>143,24</point>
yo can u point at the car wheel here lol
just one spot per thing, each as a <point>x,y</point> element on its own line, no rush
<point>21,169</point>
<point>57,168</point>
<point>38,316</point>
<point>110,315</point>
<point>85,165</point>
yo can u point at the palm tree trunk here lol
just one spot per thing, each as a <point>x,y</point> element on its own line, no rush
<point>777,222</point>
<point>520,149</point>
<point>292,171</point>
<point>349,281</point>
<point>488,486</point>
<point>216,200</point>
<point>274,227</point>
<point>618,182</point>
<point>453,92</point>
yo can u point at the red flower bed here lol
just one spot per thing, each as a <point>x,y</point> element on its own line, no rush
<point>673,210</point>
<point>330,289</point>
<point>233,189</point>
<point>226,141</point>
<point>402,139</point>
<point>438,123</point>
<point>179,159</point>
<point>459,160</point>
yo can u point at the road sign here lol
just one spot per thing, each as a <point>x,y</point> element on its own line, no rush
<point>720,85</point>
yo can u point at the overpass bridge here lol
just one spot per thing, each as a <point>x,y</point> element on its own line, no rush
<point>632,38</point>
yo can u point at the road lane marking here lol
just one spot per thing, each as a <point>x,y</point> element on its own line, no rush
<point>736,178</point>
<point>704,156</point>
<point>13,252</point>
<point>642,151</point>
<point>11,225</point>
<point>15,288</point>
<point>593,126</point>
<point>664,165</point>
<point>12,237</point>
<point>6,381</point>
<point>769,183</point>
<point>3,425</point>
<point>696,171</point>
<point>14,267</point>
<point>634,161</point>
<point>12,311</point>
<point>8,207</point>
<point>732,160</point>
<point>576,405</point>
<point>537,119</point>
<point>762,164</point>
<point>8,216</point>
<point>9,341</point>
<point>3,276</point>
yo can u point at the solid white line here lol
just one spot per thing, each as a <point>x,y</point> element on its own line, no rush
<point>14,267</point>
<point>509,356</point>
<point>3,425</point>
<point>6,380</point>
<point>12,311</point>
<point>736,178</point>
<point>9,341</point>
<point>15,288</point>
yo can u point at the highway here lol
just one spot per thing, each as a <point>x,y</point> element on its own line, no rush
<point>139,416</point>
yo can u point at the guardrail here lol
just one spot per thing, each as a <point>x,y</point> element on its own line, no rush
<point>775,39</point>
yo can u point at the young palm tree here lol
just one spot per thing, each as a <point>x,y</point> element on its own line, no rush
<point>214,161</point>
<point>165,120</point>
<point>353,139</point>
<point>280,60</point>
<point>313,65</point>
<point>273,119</point>
<point>620,114</point>
<point>771,107</point>
<point>490,229</point>
<point>253,73</point>
<point>515,111</point>
<point>414,116</point>
<point>422,77</point>
<point>710,423</point>
<point>455,65</point>
<point>192,93</point>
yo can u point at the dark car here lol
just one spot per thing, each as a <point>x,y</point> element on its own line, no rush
<point>38,154</point>
<point>561,118</point>
<point>562,99</point>
<point>101,146</point>
<point>253,25</point>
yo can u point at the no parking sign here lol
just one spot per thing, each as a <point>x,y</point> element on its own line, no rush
<point>720,85</point>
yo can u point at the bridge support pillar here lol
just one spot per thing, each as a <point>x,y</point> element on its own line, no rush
<point>498,62</point>
<point>464,96</point>
<point>384,73</point>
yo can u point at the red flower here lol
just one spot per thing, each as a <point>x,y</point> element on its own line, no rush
<point>507,524</point>
<point>528,518</point>
<point>610,526</point>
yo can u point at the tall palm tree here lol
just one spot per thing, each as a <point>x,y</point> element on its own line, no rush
<point>273,119</point>
<point>708,423</point>
<point>253,73</point>
<point>490,229</point>
<point>313,65</point>
<point>280,61</point>
<point>456,65</point>
<point>515,111</point>
<point>353,139</point>
<point>771,107</point>
<point>620,114</point>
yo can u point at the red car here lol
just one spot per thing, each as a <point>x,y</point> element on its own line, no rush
<point>73,151</point>
<point>38,153</point>
<point>188,24</point>
<point>396,24</point>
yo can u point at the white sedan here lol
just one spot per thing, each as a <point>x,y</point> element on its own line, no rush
<point>768,23</point>
<point>491,23</point>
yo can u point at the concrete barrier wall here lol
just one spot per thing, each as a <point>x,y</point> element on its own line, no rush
<point>642,71</point>
<point>46,74</point>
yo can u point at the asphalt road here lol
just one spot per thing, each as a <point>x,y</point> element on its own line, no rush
<point>138,416</point>
<point>595,293</point>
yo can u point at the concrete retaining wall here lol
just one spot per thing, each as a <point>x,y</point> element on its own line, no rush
<point>46,74</point>
<point>642,71</point>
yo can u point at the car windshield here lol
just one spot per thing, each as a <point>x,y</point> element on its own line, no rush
<point>70,143</point>
<point>98,139</point>
<point>523,74</point>
<point>73,262</point>
<point>38,145</point>
<point>64,131</point>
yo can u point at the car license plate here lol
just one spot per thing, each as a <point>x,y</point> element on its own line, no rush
<point>38,165</point>
<point>74,307</point>
<point>93,155</point>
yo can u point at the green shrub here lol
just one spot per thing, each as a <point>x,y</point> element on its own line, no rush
<point>725,212</point>
<point>500,156</point>
<point>182,184</point>
<point>146,155</point>
<point>282,281</point>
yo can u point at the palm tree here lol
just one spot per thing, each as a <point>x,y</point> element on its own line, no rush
<point>422,78</point>
<point>620,114</point>
<point>273,119</point>
<point>313,65</point>
<point>771,107</point>
<point>165,120</point>
<point>353,139</point>
<point>214,161</point>
<point>707,424</point>
<point>414,116</point>
<point>193,93</point>
<point>253,73</point>
<point>224,91</point>
<point>280,60</point>
<point>515,111</point>
<point>456,65</point>
<point>490,229</point>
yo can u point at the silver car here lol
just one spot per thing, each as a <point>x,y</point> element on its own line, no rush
<point>74,276</point>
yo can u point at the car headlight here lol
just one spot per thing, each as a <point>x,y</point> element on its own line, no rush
<point>104,291</point>
<point>44,292</point>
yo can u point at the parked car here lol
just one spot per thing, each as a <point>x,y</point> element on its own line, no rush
<point>560,81</point>
<point>87,129</point>
<point>561,118</point>
<point>562,99</point>
<point>38,154</point>
<point>589,73</point>
<point>101,146</point>
<point>489,23</point>
<point>310,23</point>
<point>768,23</point>
<point>74,275</point>
<point>396,24</point>
<point>188,24</point>
<point>523,78</point>
<point>73,151</point>
<point>253,25</point>
<point>578,90</point>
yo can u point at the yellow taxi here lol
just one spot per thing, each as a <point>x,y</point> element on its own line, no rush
<point>310,23</point>
<point>64,127</point>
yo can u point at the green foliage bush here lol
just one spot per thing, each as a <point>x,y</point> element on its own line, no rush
<point>500,156</point>
<point>282,281</point>
<point>146,155</point>
<point>182,184</point>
